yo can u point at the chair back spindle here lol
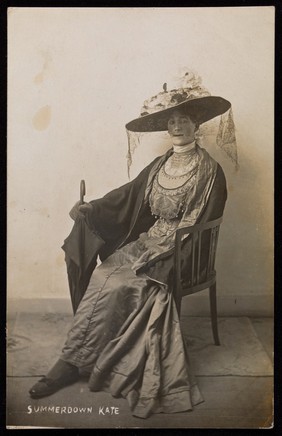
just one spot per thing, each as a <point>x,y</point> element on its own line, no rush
<point>204,239</point>
<point>201,269</point>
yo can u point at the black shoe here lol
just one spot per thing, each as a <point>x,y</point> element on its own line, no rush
<point>61,375</point>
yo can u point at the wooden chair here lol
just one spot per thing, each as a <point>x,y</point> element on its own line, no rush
<point>202,273</point>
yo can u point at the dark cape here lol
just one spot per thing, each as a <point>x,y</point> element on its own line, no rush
<point>119,218</point>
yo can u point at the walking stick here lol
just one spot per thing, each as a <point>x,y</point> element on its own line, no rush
<point>82,191</point>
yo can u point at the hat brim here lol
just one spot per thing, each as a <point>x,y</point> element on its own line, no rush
<point>201,109</point>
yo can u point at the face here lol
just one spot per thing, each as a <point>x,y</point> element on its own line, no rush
<point>181,128</point>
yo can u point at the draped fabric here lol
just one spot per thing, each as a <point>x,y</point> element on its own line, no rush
<point>126,331</point>
<point>126,334</point>
<point>122,215</point>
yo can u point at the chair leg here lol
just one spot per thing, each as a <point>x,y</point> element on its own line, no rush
<point>213,309</point>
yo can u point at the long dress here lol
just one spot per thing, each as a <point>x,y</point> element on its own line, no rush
<point>126,331</point>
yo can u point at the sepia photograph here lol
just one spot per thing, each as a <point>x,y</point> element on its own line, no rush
<point>140,208</point>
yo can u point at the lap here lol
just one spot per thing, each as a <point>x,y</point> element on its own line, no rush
<point>114,286</point>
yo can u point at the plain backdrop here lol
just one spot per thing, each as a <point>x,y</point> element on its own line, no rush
<point>76,76</point>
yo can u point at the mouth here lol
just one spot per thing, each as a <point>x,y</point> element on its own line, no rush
<point>177,135</point>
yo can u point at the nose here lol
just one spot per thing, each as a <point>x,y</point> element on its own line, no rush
<point>177,127</point>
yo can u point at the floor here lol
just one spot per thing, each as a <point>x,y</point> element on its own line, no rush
<point>230,402</point>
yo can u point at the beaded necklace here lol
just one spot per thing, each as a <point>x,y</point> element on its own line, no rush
<point>178,169</point>
<point>168,176</point>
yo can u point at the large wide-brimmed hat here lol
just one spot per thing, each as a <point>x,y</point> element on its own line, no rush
<point>191,97</point>
<point>188,95</point>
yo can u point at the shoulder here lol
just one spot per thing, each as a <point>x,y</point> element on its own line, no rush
<point>162,157</point>
<point>207,157</point>
<point>155,162</point>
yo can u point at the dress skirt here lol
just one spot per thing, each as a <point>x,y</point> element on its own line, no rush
<point>126,333</point>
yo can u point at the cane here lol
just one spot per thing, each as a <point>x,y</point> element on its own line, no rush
<point>82,191</point>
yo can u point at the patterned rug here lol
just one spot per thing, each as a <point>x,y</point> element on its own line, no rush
<point>35,341</point>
